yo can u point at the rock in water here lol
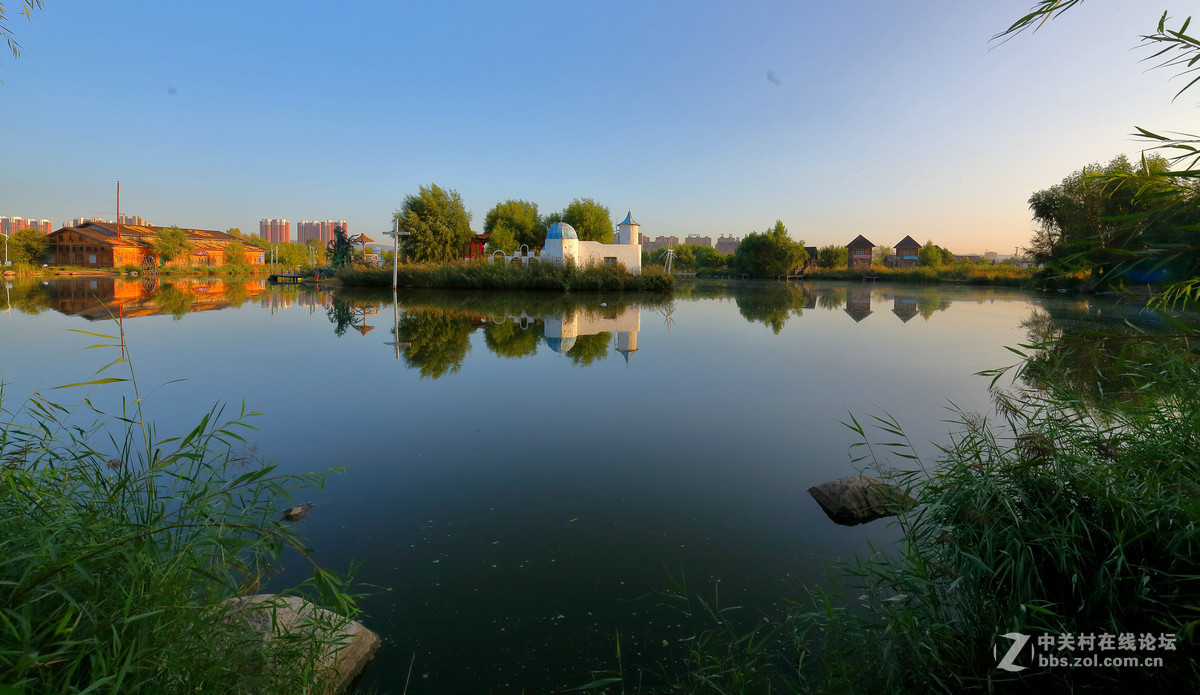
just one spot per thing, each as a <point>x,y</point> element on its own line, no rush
<point>298,512</point>
<point>352,644</point>
<point>857,499</point>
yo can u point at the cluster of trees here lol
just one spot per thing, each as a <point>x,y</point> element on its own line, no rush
<point>769,254</point>
<point>513,223</point>
<point>287,253</point>
<point>437,225</point>
<point>689,257</point>
<point>1125,220</point>
<point>28,246</point>
<point>1103,215</point>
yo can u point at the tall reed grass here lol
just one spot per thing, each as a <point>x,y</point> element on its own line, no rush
<point>1053,519</point>
<point>513,276</point>
<point>120,549</point>
<point>1002,275</point>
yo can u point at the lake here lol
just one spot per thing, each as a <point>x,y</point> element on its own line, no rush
<point>525,473</point>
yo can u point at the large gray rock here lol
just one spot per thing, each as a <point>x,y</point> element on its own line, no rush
<point>857,499</point>
<point>354,645</point>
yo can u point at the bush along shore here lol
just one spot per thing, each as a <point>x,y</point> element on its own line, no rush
<point>512,276</point>
<point>966,273</point>
<point>122,554</point>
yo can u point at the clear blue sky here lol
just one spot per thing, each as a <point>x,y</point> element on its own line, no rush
<point>875,118</point>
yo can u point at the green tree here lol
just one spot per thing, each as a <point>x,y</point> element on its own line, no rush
<point>770,253</point>
<point>879,254</point>
<point>589,348</point>
<point>590,219</point>
<point>341,248</point>
<point>235,257</point>
<point>28,246</point>
<point>437,223</point>
<point>438,341</point>
<point>316,250</point>
<point>510,340</point>
<point>929,256</point>
<point>709,259</point>
<point>1087,208</point>
<point>512,223</point>
<point>171,243</point>
<point>27,8</point>
<point>289,253</point>
<point>833,256</point>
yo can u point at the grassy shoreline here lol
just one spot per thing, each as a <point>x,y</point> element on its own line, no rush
<point>511,276</point>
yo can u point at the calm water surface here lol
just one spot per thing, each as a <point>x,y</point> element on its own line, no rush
<point>524,471</point>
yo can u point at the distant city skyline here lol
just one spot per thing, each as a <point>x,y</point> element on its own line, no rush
<point>707,121</point>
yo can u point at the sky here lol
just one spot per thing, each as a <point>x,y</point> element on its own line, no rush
<point>874,117</point>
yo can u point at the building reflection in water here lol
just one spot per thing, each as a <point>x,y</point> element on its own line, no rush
<point>563,332</point>
<point>103,297</point>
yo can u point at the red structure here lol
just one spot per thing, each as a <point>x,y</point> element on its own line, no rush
<point>475,247</point>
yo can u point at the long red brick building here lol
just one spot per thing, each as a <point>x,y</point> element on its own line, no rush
<point>104,245</point>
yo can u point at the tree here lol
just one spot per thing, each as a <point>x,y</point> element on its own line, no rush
<point>833,256</point>
<point>170,243</point>
<point>27,8</point>
<point>1157,241</point>
<point>235,257</point>
<point>1085,208</point>
<point>315,250</point>
<point>709,259</point>
<point>930,256</point>
<point>513,223</point>
<point>342,247</point>
<point>28,246</point>
<point>879,254</point>
<point>770,253</point>
<point>437,223</point>
<point>590,220</point>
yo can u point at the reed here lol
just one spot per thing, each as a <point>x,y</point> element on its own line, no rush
<point>1055,518</point>
<point>120,549</point>
<point>479,275</point>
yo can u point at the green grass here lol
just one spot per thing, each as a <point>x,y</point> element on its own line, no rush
<point>512,276</point>
<point>119,548</point>
<point>1003,275</point>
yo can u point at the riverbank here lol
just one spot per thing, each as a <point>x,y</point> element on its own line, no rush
<point>511,276</point>
<point>997,275</point>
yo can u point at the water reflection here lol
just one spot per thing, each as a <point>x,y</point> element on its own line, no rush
<point>97,298</point>
<point>1097,350</point>
<point>431,330</point>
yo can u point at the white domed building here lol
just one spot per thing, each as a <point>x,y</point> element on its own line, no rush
<point>562,242</point>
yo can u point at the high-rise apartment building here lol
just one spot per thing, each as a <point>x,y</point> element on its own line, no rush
<point>306,230</point>
<point>128,220</point>
<point>275,231</point>
<point>12,225</point>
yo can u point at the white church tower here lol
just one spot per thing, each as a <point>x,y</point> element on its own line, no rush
<point>627,231</point>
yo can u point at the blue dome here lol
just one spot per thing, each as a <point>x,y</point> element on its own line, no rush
<point>560,345</point>
<point>561,230</point>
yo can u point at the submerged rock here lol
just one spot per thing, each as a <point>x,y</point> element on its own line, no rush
<point>351,645</point>
<point>857,499</point>
<point>297,512</point>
